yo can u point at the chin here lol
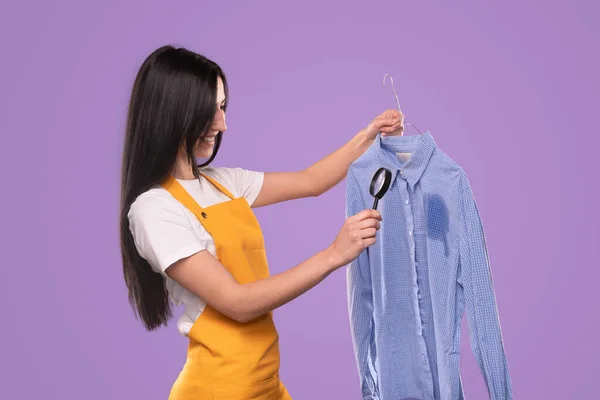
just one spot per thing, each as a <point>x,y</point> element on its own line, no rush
<point>203,153</point>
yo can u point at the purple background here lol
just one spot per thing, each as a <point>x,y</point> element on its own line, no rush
<point>509,91</point>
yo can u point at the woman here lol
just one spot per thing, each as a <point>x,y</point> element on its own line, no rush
<point>188,231</point>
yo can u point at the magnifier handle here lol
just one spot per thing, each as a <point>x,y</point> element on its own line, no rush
<point>375,203</point>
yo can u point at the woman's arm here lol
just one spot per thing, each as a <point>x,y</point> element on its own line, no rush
<point>330,170</point>
<point>203,275</point>
<point>314,180</point>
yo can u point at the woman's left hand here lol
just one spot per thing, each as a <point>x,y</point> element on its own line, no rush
<point>389,123</point>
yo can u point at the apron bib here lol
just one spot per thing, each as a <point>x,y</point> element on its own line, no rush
<point>227,359</point>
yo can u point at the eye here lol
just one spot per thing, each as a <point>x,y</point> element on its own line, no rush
<point>223,107</point>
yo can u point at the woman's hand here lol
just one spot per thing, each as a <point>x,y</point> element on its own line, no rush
<point>389,123</point>
<point>358,233</point>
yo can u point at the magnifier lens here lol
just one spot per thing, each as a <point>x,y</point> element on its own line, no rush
<point>380,184</point>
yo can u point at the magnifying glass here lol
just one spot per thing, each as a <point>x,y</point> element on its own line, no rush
<point>380,184</point>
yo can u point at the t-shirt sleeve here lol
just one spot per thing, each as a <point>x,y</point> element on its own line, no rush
<point>163,233</point>
<point>246,183</point>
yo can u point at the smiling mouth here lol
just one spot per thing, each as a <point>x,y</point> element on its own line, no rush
<point>209,138</point>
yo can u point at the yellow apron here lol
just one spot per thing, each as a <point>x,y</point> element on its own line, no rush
<point>227,359</point>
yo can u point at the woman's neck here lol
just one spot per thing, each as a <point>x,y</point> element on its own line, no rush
<point>182,169</point>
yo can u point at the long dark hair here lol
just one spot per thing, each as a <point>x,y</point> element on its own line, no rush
<point>173,103</point>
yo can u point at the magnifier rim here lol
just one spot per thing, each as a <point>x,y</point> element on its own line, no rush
<point>387,179</point>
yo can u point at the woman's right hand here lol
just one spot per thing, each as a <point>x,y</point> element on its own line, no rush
<point>358,233</point>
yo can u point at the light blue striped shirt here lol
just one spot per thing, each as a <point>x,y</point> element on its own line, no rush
<point>407,293</point>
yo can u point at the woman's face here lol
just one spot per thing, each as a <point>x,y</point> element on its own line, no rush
<point>206,144</point>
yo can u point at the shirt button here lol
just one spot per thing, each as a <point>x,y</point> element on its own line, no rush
<point>406,201</point>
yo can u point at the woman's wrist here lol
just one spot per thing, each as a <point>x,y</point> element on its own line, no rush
<point>331,259</point>
<point>363,140</point>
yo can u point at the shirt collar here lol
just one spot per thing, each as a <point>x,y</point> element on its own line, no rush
<point>420,146</point>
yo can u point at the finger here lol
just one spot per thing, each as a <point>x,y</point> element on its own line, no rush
<point>362,215</point>
<point>387,118</point>
<point>395,114</point>
<point>368,213</point>
<point>368,223</point>
<point>367,233</point>
<point>392,128</point>
<point>369,241</point>
<point>389,126</point>
<point>392,124</point>
<point>390,113</point>
<point>390,119</point>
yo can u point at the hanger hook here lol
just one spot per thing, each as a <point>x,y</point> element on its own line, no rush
<point>393,89</point>
<point>398,101</point>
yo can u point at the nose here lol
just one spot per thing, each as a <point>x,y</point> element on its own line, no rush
<point>219,123</point>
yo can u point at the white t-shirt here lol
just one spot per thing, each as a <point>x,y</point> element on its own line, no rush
<point>165,231</point>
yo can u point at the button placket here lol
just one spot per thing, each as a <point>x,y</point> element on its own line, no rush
<point>410,225</point>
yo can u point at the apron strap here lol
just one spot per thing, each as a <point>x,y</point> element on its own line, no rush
<point>178,191</point>
<point>181,195</point>
<point>218,185</point>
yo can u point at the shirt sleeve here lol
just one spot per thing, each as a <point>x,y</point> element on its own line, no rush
<point>163,232</point>
<point>475,278</point>
<point>246,183</point>
<point>360,302</point>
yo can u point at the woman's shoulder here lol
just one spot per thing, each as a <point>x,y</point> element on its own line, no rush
<point>155,203</point>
